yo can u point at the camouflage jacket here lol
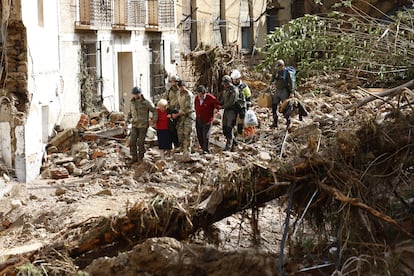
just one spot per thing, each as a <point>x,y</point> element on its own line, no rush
<point>186,103</point>
<point>172,97</point>
<point>139,113</point>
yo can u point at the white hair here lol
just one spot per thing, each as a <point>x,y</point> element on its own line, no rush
<point>162,102</point>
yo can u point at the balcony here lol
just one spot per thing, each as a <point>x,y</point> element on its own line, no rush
<point>151,15</point>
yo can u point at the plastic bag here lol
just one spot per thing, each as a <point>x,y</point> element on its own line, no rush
<point>250,119</point>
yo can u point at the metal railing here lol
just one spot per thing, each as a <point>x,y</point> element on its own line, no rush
<point>96,14</point>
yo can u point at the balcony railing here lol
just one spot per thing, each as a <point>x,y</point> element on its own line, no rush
<point>125,14</point>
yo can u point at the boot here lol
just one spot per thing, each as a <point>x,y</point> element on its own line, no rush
<point>133,160</point>
<point>274,122</point>
<point>240,129</point>
<point>228,145</point>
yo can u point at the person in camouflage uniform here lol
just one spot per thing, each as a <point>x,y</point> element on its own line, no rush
<point>186,117</point>
<point>230,96</point>
<point>139,117</point>
<point>172,98</point>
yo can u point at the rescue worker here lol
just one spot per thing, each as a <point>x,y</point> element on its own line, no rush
<point>186,117</point>
<point>230,96</point>
<point>284,89</point>
<point>172,98</point>
<point>139,117</point>
<point>243,88</point>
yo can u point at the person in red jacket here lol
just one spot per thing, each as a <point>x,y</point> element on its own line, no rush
<point>205,105</point>
<point>163,133</point>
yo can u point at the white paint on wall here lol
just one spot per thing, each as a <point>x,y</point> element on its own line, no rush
<point>53,74</point>
<point>19,155</point>
<point>5,144</point>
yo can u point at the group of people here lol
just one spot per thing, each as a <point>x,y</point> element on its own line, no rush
<point>180,111</point>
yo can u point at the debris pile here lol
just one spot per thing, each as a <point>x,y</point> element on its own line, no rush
<point>342,160</point>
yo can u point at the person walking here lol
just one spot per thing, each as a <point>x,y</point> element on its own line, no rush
<point>186,117</point>
<point>139,116</point>
<point>230,96</point>
<point>172,98</point>
<point>205,105</point>
<point>163,133</point>
<point>243,88</point>
<point>284,88</point>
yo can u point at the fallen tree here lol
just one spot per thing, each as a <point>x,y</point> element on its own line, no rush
<point>339,174</point>
<point>387,93</point>
<point>358,180</point>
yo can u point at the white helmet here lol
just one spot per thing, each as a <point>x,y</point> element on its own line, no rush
<point>235,74</point>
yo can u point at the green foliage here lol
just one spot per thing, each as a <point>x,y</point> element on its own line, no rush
<point>372,49</point>
<point>29,269</point>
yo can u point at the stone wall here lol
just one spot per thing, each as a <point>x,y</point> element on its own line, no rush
<point>14,100</point>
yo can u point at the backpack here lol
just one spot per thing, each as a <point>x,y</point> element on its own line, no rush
<point>292,73</point>
<point>241,105</point>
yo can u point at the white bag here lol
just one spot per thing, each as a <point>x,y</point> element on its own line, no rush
<point>250,119</point>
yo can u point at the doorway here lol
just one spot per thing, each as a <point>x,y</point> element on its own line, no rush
<point>125,80</point>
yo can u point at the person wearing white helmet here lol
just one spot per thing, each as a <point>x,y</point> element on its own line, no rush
<point>245,90</point>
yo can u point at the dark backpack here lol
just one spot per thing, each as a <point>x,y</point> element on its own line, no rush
<point>241,105</point>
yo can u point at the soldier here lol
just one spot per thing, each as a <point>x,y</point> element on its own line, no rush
<point>230,96</point>
<point>172,97</point>
<point>186,117</point>
<point>139,116</point>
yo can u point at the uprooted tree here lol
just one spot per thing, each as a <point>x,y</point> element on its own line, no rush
<point>360,183</point>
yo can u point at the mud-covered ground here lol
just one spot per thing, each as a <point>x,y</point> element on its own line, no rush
<point>40,213</point>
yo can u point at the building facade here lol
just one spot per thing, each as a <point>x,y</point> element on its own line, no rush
<point>59,57</point>
<point>55,53</point>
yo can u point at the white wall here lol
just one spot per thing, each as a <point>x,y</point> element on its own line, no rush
<point>43,84</point>
<point>53,68</point>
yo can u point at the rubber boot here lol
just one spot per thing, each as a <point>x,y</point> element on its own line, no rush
<point>274,122</point>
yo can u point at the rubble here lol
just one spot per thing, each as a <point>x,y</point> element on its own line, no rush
<point>86,174</point>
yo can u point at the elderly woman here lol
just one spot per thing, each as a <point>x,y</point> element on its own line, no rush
<point>163,132</point>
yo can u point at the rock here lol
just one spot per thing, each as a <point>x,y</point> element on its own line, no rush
<point>77,172</point>
<point>78,147</point>
<point>60,191</point>
<point>265,156</point>
<point>104,192</point>
<point>161,165</point>
<point>58,173</point>
<point>70,166</point>
<point>115,117</point>
<point>16,203</point>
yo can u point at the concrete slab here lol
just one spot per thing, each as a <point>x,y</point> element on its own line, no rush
<point>4,187</point>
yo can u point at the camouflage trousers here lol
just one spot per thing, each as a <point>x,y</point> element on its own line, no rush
<point>137,137</point>
<point>185,131</point>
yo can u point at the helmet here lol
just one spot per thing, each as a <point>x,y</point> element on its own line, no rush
<point>174,78</point>
<point>136,90</point>
<point>235,74</point>
<point>181,83</point>
<point>226,79</point>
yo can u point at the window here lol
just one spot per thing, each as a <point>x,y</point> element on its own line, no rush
<point>246,39</point>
